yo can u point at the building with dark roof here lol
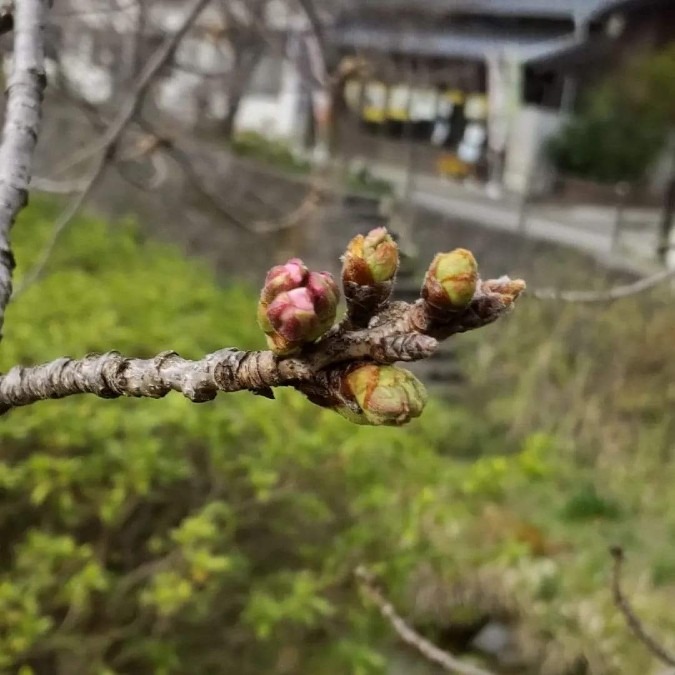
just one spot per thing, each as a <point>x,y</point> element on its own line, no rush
<point>514,53</point>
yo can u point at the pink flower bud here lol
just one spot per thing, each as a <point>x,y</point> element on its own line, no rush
<point>292,315</point>
<point>281,278</point>
<point>325,295</point>
<point>301,314</point>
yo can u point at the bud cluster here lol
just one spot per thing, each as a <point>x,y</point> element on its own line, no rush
<point>350,371</point>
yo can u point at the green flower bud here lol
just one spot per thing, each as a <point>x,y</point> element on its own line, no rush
<point>451,280</point>
<point>384,395</point>
<point>372,259</point>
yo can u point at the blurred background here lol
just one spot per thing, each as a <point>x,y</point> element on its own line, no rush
<point>166,537</point>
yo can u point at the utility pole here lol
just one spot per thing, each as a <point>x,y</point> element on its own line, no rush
<point>667,220</point>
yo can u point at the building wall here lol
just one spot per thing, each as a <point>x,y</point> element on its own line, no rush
<point>275,113</point>
<point>527,170</point>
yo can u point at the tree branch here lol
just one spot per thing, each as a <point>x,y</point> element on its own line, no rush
<point>136,97</point>
<point>616,293</point>
<point>629,614</point>
<point>408,634</point>
<point>20,133</point>
<point>397,332</point>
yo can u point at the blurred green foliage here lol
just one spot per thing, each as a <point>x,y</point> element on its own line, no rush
<point>143,536</point>
<point>623,124</point>
<point>270,151</point>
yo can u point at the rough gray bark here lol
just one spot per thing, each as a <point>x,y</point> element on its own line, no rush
<point>400,332</point>
<point>22,124</point>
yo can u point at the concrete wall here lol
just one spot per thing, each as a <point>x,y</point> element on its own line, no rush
<point>526,167</point>
<point>275,115</point>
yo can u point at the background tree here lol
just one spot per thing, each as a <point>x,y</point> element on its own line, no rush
<point>623,123</point>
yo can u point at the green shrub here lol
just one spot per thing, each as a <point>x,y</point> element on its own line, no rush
<point>162,536</point>
<point>270,151</point>
<point>623,123</point>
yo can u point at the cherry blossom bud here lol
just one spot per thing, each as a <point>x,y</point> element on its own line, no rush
<point>301,314</point>
<point>292,315</point>
<point>325,294</point>
<point>384,395</point>
<point>451,280</point>
<point>372,259</point>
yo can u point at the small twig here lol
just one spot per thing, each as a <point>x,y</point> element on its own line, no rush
<point>106,145</point>
<point>160,174</point>
<point>314,198</point>
<point>136,97</point>
<point>35,272</point>
<point>629,614</point>
<point>616,293</point>
<point>408,634</point>
<point>184,161</point>
<point>172,147</point>
<point>58,187</point>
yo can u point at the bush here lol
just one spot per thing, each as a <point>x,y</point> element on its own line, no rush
<point>162,536</point>
<point>607,142</point>
<point>269,151</point>
<point>623,123</point>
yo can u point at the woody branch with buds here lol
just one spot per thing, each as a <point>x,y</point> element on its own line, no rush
<point>346,366</point>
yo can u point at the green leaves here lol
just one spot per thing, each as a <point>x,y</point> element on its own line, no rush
<point>289,599</point>
<point>222,537</point>
<point>623,124</point>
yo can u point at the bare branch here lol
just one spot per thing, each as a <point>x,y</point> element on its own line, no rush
<point>20,133</point>
<point>159,177</point>
<point>182,158</point>
<point>316,25</point>
<point>408,634</point>
<point>58,187</point>
<point>106,145</point>
<point>315,197</point>
<point>136,97</point>
<point>629,614</point>
<point>616,293</point>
